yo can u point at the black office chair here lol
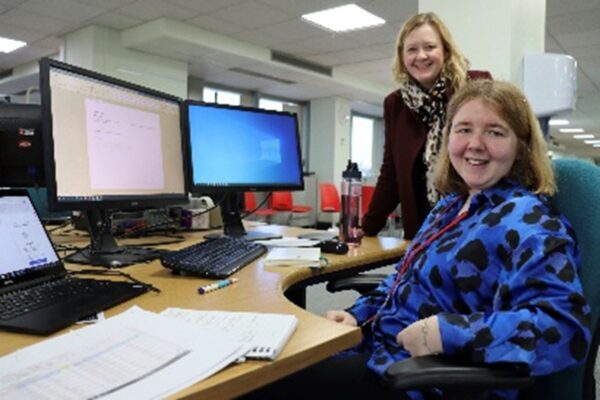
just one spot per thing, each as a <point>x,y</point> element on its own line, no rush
<point>578,198</point>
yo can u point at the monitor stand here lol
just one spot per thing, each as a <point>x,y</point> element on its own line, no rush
<point>104,250</point>
<point>232,222</point>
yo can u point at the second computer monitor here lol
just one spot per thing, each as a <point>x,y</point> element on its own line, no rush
<point>234,149</point>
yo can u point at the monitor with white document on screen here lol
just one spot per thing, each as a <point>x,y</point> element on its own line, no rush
<point>109,145</point>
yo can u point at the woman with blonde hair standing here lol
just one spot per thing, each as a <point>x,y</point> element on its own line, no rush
<point>429,68</point>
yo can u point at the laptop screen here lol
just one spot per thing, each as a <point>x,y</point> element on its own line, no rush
<point>25,249</point>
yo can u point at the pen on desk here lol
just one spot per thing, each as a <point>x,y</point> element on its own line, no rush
<point>217,285</point>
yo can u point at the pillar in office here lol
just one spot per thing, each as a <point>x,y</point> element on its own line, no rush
<point>329,137</point>
<point>99,49</point>
<point>494,35</point>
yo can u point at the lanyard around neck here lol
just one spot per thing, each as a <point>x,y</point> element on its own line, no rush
<point>409,257</point>
<point>414,251</point>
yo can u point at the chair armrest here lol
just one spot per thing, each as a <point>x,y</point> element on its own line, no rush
<point>362,283</point>
<point>450,374</point>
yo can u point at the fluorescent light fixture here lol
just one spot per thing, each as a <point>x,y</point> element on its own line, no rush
<point>591,141</point>
<point>596,145</point>
<point>558,122</point>
<point>571,130</point>
<point>583,136</point>
<point>344,18</point>
<point>7,45</point>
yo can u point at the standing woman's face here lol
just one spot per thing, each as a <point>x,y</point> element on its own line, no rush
<point>423,55</point>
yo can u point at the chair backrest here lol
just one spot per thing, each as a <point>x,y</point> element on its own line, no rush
<point>367,195</point>
<point>249,201</point>
<point>282,201</point>
<point>330,198</point>
<point>578,198</point>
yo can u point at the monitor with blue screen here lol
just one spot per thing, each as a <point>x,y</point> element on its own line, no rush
<point>234,149</point>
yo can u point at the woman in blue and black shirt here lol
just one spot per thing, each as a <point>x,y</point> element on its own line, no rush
<point>492,273</point>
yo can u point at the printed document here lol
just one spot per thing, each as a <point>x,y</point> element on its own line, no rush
<point>134,355</point>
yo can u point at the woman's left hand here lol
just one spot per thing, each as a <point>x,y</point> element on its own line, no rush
<point>422,337</point>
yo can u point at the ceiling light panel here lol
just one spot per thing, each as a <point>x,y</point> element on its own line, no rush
<point>571,130</point>
<point>583,136</point>
<point>344,18</point>
<point>8,45</point>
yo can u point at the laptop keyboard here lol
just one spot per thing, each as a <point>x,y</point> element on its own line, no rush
<point>214,258</point>
<point>25,300</point>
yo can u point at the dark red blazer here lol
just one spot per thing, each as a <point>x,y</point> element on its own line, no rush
<point>402,175</point>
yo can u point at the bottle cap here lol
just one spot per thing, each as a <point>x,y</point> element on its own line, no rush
<point>352,171</point>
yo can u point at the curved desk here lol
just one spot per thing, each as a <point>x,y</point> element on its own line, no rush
<point>259,288</point>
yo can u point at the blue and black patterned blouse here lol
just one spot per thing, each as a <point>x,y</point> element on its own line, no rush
<point>503,282</point>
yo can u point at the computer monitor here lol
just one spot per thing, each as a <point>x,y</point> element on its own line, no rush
<point>234,149</point>
<point>109,145</point>
<point>21,156</point>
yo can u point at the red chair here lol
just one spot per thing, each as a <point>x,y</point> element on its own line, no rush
<point>367,195</point>
<point>283,201</point>
<point>330,198</point>
<point>250,206</point>
<point>330,203</point>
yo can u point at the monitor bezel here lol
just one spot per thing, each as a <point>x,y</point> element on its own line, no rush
<point>106,203</point>
<point>199,189</point>
<point>22,173</point>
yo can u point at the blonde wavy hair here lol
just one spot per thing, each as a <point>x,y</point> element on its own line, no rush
<point>455,63</point>
<point>532,165</point>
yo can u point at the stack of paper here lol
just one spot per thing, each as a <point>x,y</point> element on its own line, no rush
<point>296,257</point>
<point>266,333</point>
<point>134,355</point>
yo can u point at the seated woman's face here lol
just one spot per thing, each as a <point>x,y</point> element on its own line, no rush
<point>481,145</point>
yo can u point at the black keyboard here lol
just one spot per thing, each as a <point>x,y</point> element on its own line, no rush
<point>25,300</point>
<point>214,258</point>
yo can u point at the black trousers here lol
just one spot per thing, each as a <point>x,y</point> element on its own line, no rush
<point>339,377</point>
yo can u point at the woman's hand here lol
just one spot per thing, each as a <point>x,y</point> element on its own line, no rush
<point>343,317</point>
<point>422,337</point>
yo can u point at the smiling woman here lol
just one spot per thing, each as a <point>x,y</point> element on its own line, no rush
<point>482,147</point>
<point>428,67</point>
<point>492,275</point>
<point>492,130</point>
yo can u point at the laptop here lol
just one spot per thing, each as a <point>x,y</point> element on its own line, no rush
<point>32,272</point>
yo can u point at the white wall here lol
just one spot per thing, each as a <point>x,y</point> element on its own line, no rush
<point>99,49</point>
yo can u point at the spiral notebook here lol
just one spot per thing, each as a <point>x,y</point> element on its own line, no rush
<point>267,333</point>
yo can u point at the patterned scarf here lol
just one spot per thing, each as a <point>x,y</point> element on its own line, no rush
<point>430,107</point>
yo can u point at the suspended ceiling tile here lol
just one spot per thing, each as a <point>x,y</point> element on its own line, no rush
<point>252,14</point>
<point>35,22</point>
<point>115,21</point>
<point>66,10</point>
<point>149,10</point>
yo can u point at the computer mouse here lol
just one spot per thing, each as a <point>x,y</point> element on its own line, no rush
<point>333,246</point>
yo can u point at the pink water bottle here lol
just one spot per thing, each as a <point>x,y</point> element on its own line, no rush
<point>350,213</point>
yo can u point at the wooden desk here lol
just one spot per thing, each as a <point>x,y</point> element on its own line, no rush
<point>259,288</point>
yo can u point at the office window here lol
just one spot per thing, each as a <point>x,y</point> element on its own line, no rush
<point>268,104</point>
<point>362,143</point>
<point>218,96</point>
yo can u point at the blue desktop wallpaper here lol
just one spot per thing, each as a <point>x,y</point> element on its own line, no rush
<point>236,147</point>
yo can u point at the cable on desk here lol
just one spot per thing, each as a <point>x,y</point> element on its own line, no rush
<point>68,247</point>
<point>114,272</point>
<point>176,239</point>
<point>61,226</point>
<point>167,223</point>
